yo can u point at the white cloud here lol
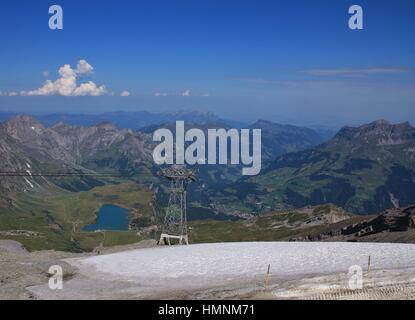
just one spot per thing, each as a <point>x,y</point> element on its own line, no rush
<point>66,85</point>
<point>84,67</point>
<point>89,89</point>
<point>357,71</point>
<point>8,94</point>
<point>186,93</point>
<point>125,93</point>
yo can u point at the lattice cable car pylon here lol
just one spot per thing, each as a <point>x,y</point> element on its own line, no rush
<point>175,221</point>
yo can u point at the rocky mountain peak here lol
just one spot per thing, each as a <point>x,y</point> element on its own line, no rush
<point>380,132</point>
<point>107,126</point>
<point>60,124</point>
<point>24,119</point>
<point>380,122</point>
<point>22,127</point>
<point>263,123</point>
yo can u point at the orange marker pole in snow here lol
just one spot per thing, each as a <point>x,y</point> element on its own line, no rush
<point>267,277</point>
<point>369,269</point>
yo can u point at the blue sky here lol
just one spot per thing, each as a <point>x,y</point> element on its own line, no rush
<point>287,61</point>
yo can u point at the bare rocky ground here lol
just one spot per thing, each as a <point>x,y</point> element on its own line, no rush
<point>20,269</point>
<point>24,275</point>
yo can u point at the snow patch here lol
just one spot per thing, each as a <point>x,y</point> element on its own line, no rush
<point>28,182</point>
<point>227,261</point>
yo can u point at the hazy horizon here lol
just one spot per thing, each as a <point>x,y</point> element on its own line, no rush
<point>295,62</point>
<point>282,120</point>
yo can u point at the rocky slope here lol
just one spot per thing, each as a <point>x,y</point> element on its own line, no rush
<point>28,147</point>
<point>388,226</point>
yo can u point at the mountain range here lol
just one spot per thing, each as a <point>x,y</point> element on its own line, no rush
<point>29,146</point>
<point>363,169</point>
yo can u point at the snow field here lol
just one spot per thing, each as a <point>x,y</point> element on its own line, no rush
<point>227,261</point>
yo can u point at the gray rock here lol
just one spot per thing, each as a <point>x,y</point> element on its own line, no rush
<point>12,246</point>
<point>68,270</point>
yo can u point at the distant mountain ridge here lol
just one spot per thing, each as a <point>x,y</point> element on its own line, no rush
<point>126,120</point>
<point>278,139</point>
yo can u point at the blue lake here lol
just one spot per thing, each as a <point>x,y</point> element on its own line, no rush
<point>110,217</point>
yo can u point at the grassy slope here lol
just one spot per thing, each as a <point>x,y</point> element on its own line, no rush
<point>366,181</point>
<point>281,225</point>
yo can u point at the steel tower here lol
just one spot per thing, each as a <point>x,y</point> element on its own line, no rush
<point>175,221</point>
